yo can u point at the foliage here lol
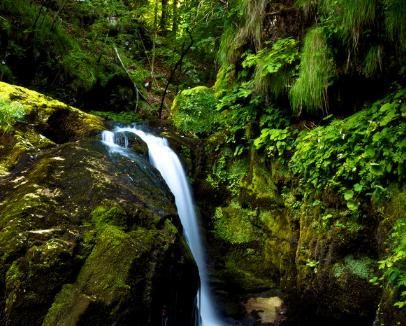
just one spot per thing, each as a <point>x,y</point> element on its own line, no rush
<point>349,17</point>
<point>357,156</point>
<point>10,113</point>
<point>276,142</point>
<point>395,13</point>
<point>351,20</point>
<point>373,61</point>
<point>81,67</point>
<point>228,172</point>
<point>243,24</point>
<point>393,267</point>
<point>275,67</point>
<point>309,91</point>
<point>253,13</point>
<point>361,267</point>
<point>194,111</point>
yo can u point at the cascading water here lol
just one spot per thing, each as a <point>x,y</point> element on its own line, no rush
<point>165,160</point>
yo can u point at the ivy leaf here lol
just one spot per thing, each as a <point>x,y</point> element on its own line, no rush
<point>358,187</point>
<point>352,205</point>
<point>348,195</point>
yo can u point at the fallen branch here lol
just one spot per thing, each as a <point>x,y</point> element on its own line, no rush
<point>137,91</point>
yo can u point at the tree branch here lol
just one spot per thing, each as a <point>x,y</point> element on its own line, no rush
<point>137,91</point>
<point>184,51</point>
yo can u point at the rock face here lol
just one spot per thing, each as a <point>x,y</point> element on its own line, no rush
<point>266,238</point>
<point>87,237</point>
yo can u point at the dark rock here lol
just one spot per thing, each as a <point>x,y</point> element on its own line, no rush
<point>87,237</point>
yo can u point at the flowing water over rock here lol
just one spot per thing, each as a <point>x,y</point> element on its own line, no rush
<point>168,164</point>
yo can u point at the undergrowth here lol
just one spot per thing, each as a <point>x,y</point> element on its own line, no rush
<point>10,113</point>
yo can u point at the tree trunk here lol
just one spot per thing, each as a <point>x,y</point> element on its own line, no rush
<point>175,16</point>
<point>164,14</point>
<point>154,39</point>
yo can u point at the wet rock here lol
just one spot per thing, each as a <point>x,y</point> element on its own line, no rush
<point>41,123</point>
<point>132,141</point>
<point>86,236</point>
<point>267,309</point>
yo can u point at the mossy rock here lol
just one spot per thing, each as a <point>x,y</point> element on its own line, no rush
<point>259,188</point>
<point>88,236</point>
<point>30,122</point>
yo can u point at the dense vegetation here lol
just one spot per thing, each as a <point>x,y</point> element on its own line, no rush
<point>294,114</point>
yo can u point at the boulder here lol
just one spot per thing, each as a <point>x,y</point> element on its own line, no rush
<point>87,236</point>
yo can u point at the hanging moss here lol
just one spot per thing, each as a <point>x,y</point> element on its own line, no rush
<point>245,25</point>
<point>373,61</point>
<point>309,92</point>
<point>253,16</point>
<point>395,13</point>
<point>350,16</point>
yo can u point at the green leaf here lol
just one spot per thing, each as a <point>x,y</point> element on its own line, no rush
<point>358,187</point>
<point>370,152</point>
<point>352,205</point>
<point>348,194</point>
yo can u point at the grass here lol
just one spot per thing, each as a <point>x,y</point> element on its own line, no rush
<point>395,13</point>
<point>353,16</point>
<point>309,92</point>
<point>373,61</point>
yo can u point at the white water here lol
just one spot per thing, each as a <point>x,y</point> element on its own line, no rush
<point>165,160</point>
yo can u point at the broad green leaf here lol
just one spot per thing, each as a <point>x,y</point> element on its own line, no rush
<point>348,194</point>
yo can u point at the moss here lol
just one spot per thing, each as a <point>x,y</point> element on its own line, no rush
<point>309,92</point>
<point>69,304</point>
<point>42,107</point>
<point>120,117</point>
<point>106,269</point>
<point>103,216</point>
<point>194,111</point>
<point>259,189</point>
<point>105,276</point>
<point>34,121</point>
<point>233,224</point>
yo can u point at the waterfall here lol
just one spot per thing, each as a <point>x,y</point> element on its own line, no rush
<point>165,160</point>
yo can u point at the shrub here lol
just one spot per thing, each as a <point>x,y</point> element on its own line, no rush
<point>194,111</point>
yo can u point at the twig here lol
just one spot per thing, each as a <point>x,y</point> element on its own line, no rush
<point>137,91</point>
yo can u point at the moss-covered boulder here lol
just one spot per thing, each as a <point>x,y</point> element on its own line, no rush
<point>30,121</point>
<point>87,236</point>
